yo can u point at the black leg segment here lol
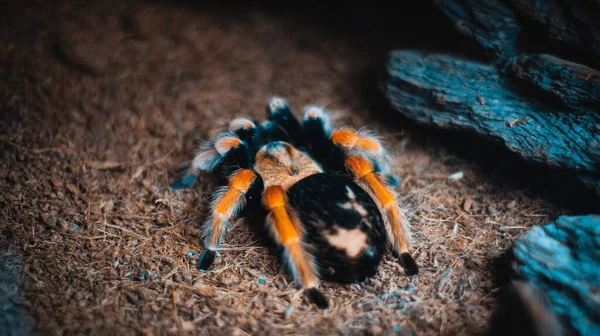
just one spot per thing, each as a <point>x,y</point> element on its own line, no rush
<point>280,113</point>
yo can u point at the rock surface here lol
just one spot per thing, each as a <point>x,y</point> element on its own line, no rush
<point>538,106</point>
<point>562,259</point>
<point>14,320</point>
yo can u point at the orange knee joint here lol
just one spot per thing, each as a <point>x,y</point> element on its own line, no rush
<point>242,180</point>
<point>344,138</point>
<point>349,139</point>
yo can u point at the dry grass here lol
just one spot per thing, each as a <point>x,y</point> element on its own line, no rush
<point>87,160</point>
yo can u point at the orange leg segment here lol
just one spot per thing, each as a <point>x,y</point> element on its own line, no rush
<point>357,141</point>
<point>285,228</point>
<point>227,203</point>
<point>385,197</point>
<point>287,234</point>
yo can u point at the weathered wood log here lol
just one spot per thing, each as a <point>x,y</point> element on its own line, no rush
<point>571,22</point>
<point>542,111</point>
<point>576,85</point>
<point>491,23</point>
<point>562,260</point>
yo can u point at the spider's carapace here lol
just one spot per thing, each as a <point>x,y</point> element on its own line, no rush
<point>328,199</point>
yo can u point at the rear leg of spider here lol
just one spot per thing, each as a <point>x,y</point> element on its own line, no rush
<point>394,217</point>
<point>287,231</point>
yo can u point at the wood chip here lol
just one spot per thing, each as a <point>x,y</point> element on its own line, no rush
<point>467,204</point>
<point>100,165</point>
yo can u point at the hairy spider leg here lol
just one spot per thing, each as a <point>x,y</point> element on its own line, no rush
<point>367,144</point>
<point>286,230</point>
<point>281,115</point>
<point>317,126</point>
<point>363,156</point>
<point>394,218</point>
<point>331,147</point>
<point>227,202</point>
<point>227,151</point>
<point>248,131</point>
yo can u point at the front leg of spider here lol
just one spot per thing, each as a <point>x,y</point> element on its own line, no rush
<point>226,147</point>
<point>227,202</point>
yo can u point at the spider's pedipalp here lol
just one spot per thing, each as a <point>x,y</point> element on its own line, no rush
<point>319,115</point>
<point>286,230</point>
<point>227,147</point>
<point>317,125</point>
<point>280,113</point>
<point>394,217</point>
<point>277,103</point>
<point>226,203</point>
<point>240,124</point>
<point>246,130</point>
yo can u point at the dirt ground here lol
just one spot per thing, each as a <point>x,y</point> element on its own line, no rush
<point>101,103</point>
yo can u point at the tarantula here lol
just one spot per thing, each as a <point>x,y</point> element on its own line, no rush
<point>327,195</point>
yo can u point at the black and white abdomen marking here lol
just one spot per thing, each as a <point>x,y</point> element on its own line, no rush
<point>344,230</point>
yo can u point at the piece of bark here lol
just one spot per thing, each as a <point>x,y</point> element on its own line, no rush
<point>453,93</point>
<point>491,23</point>
<point>571,22</point>
<point>562,259</point>
<point>576,85</point>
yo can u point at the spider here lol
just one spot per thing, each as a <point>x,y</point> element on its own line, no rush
<point>326,195</point>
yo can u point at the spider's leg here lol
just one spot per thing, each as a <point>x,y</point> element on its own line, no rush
<point>227,202</point>
<point>227,149</point>
<point>331,147</point>
<point>287,231</point>
<point>246,130</point>
<point>395,219</point>
<point>318,128</point>
<point>366,144</point>
<point>281,115</point>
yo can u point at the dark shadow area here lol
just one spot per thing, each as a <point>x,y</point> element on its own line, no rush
<point>376,28</point>
<point>533,38</point>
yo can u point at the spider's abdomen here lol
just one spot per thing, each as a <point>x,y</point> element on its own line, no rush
<point>344,230</point>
